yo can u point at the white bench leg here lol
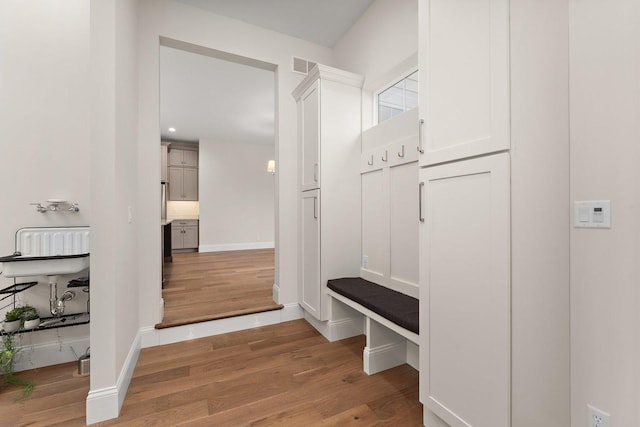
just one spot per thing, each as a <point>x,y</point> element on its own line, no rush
<point>385,349</point>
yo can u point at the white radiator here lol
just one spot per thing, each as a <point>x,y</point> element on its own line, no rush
<point>50,241</point>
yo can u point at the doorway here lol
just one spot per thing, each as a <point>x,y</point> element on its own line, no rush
<point>224,105</point>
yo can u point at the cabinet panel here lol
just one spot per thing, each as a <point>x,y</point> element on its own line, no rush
<point>175,183</point>
<point>403,223</point>
<point>310,128</point>
<point>175,157</point>
<point>190,159</point>
<point>375,229</point>
<point>183,184</point>
<point>184,234</point>
<point>190,237</point>
<point>464,81</point>
<point>189,184</point>
<point>176,237</point>
<point>310,290</point>
<point>465,272</point>
<point>183,158</point>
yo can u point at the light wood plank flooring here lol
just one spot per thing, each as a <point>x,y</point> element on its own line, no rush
<point>214,285</point>
<point>285,374</point>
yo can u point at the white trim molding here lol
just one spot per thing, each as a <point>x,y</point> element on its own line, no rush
<point>151,337</point>
<point>236,246</point>
<point>104,404</point>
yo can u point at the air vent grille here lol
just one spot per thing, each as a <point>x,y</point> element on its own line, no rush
<point>301,65</point>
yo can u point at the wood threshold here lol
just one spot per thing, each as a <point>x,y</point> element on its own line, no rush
<point>218,316</point>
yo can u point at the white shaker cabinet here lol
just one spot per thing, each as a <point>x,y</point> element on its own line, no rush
<point>464,78</point>
<point>309,128</point>
<point>329,134</point>
<point>465,276</point>
<point>310,291</point>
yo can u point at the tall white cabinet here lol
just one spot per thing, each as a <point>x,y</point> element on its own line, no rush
<point>494,324</point>
<point>329,128</point>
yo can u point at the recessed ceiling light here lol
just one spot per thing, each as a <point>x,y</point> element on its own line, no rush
<point>172,129</point>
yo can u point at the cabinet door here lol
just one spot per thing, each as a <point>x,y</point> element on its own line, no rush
<point>404,227</point>
<point>189,184</point>
<point>176,185</point>
<point>190,237</point>
<point>177,240</point>
<point>190,159</point>
<point>464,80</point>
<point>310,137</point>
<point>310,292</point>
<point>465,292</point>
<point>176,157</point>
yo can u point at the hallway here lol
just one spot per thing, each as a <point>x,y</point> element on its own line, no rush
<point>206,286</point>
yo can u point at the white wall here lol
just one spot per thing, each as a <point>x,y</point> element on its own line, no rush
<point>44,121</point>
<point>381,45</point>
<point>114,251</point>
<point>605,150</point>
<point>180,22</point>
<point>236,196</point>
<point>540,380</point>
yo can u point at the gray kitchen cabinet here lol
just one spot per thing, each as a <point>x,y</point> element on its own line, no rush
<point>183,184</point>
<point>183,158</point>
<point>184,234</point>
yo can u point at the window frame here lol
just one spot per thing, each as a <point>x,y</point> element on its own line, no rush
<point>402,76</point>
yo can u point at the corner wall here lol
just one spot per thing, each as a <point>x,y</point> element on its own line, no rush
<point>114,126</point>
<point>605,153</point>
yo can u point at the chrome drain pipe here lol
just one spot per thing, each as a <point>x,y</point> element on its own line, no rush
<point>56,305</point>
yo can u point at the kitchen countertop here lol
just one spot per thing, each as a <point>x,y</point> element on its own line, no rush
<point>164,222</point>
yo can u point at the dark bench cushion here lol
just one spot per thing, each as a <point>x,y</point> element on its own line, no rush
<point>399,308</point>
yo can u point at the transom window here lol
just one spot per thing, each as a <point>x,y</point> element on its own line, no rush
<point>400,97</point>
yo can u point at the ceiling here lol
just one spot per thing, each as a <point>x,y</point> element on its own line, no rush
<point>209,98</point>
<point>203,97</point>
<point>322,22</point>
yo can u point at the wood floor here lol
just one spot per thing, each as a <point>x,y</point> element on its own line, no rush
<point>214,285</point>
<point>286,374</point>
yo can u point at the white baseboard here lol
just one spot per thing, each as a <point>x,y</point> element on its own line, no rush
<point>104,404</point>
<point>384,357</point>
<point>413,355</point>
<point>37,356</point>
<point>236,246</point>
<point>275,293</point>
<point>336,330</point>
<point>151,337</point>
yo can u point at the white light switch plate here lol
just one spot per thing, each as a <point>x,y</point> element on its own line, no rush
<point>592,214</point>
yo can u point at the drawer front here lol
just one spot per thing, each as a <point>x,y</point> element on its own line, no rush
<point>185,222</point>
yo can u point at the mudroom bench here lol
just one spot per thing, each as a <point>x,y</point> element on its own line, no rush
<point>391,321</point>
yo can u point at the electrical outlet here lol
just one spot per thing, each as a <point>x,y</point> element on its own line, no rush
<point>365,261</point>
<point>597,418</point>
